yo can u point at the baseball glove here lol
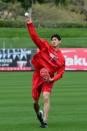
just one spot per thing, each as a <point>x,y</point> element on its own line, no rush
<point>44,73</point>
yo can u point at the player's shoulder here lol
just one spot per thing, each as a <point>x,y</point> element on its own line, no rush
<point>45,42</point>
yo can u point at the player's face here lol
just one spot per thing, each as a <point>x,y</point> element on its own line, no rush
<point>55,42</point>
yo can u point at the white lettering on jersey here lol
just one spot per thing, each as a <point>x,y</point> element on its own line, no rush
<point>53,57</point>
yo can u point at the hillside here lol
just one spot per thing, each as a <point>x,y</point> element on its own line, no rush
<point>75,12</point>
<point>67,14</point>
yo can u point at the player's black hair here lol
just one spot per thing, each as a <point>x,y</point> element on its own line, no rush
<point>57,36</point>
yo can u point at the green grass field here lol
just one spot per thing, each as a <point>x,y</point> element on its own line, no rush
<point>19,37</point>
<point>27,43</point>
<point>69,97</point>
<point>69,103</point>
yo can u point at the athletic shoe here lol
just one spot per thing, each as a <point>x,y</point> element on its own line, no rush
<point>44,125</point>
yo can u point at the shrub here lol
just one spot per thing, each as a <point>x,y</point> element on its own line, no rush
<point>45,24</point>
<point>11,23</point>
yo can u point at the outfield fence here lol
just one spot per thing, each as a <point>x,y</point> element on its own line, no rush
<point>76,58</point>
<point>20,59</point>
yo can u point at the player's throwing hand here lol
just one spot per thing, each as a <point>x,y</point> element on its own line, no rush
<point>28,14</point>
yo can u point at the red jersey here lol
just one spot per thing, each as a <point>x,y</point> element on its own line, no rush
<point>47,56</point>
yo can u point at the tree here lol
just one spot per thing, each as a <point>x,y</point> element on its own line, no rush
<point>57,2</point>
<point>13,1</point>
<point>62,2</point>
<point>28,3</point>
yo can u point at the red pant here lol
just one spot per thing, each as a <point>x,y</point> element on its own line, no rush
<point>39,86</point>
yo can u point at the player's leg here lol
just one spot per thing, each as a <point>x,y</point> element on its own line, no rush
<point>36,106</point>
<point>43,118</point>
<point>46,98</point>
<point>36,95</point>
<point>36,90</point>
<point>46,108</point>
<point>39,113</point>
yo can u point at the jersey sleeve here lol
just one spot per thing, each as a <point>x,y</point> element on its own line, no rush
<point>34,36</point>
<point>59,73</point>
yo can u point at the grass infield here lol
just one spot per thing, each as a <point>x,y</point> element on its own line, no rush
<point>68,99</point>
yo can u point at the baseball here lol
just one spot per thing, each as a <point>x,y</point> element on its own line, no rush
<point>26,14</point>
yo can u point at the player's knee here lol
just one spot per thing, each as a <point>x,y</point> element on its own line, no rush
<point>35,98</point>
<point>46,97</point>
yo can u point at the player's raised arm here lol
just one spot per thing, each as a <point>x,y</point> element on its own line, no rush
<point>33,34</point>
